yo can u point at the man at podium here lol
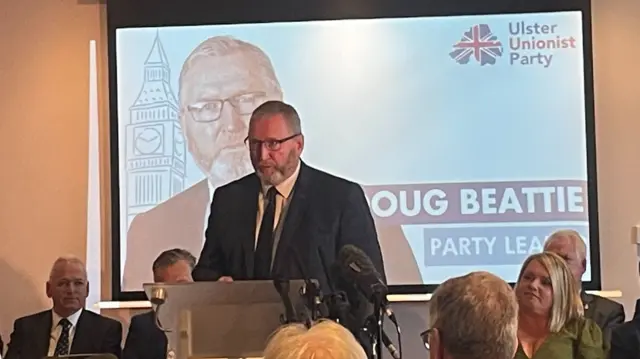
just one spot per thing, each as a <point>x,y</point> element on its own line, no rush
<point>286,220</point>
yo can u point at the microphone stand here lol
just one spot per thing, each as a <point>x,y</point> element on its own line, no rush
<point>311,293</point>
<point>374,324</point>
<point>338,306</point>
<point>282,286</point>
<point>377,316</point>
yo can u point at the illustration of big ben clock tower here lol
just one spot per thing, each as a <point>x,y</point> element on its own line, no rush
<point>155,147</point>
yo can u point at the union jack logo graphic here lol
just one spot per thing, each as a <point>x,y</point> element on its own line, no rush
<point>480,42</point>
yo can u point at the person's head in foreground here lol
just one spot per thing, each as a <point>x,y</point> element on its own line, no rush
<point>68,286</point>
<point>324,340</point>
<point>569,245</point>
<point>472,317</point>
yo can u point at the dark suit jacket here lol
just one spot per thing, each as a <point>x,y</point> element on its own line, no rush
<point>605,312</point>
<point>94,334</point>
<point>325,212</point>
<point>625,341</point>
<point>145,340</point>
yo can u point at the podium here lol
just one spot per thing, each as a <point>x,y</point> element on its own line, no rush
<point>222,320</point>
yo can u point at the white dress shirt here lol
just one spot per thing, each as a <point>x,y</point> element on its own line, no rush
<point>56,330</point>
<point>285,190</point>
<point>283,198</point>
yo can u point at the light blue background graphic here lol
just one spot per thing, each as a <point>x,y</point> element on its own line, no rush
<point>382,102</point>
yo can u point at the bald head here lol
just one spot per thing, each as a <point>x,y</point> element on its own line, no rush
<point>569,245</point>
<point>68,287</point>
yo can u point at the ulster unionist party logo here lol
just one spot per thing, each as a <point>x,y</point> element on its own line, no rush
<point>529,44</point>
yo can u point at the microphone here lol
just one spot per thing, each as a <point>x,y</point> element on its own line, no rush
<point>311,291</point>
<point>357,268</point>
<point>282,286</point>
<point>336,302</point>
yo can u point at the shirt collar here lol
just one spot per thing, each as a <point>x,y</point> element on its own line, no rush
<point>73,318</point>
<point>286,187</point>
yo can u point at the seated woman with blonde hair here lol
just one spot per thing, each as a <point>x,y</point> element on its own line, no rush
<point>324,340</point>
<point>551,322</point>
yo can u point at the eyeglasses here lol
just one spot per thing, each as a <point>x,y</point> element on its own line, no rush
<point>209,111</point>
<point>425,338</point>
<point>271,144</point>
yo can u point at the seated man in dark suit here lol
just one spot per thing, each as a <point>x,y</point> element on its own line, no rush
<point>625,339</point>
<point>145,340</point>
<point>569,245</point>
<point>66,328</point>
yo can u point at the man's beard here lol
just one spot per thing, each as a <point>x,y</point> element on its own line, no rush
<point>227,166</point>
<point>280,173</point>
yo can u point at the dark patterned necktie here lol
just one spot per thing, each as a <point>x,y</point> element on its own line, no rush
<point>264,248</point>
<point>62,346</point>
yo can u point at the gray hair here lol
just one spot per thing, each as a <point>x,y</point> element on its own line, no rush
<point>275,107</point>
<point>572,235</point>
<point>476,316</point>
<point>227,45</point>
<point>173,256</point>
<point>67,260</point>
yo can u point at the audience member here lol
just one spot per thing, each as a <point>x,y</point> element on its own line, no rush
<point>66,328</point>
<point>324,340</point>
<point>625,339</point>
<point>551,323</point>
<point>569,245</point>
<point>472,317</point>
<point>145,340</point>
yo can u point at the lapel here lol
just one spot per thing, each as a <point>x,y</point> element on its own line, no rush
<point>81,338</point>
<point>295,213</point>
<point>587,300</point>
<point>42,331</point>
<point>247,216</point>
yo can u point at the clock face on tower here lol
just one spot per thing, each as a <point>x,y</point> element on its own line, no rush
<point>147,141</point>
<point>178,143</point>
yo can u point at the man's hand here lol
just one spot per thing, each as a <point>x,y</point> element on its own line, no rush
<point>225,279</point>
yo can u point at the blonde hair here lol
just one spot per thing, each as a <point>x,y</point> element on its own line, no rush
<point>324,340</point>
<point>566,304</point>
<point>477,316</point>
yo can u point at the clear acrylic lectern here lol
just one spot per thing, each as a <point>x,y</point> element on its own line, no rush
<point>221,320</point>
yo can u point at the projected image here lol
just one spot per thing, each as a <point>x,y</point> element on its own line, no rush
<point>467,133</point>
